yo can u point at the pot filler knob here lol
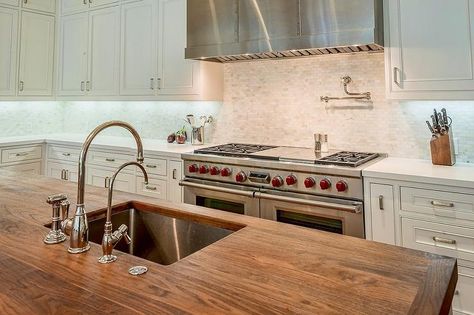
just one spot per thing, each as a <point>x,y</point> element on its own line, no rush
<point>241,177</point>
<point>277,181</point>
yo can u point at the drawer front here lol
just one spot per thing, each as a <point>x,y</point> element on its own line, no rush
<point>101,178</point>
<point>62,171</point>
<point>438,203</point>
<point>63,153</point>
<point>463,301</point>
<point>109,159</point>
<point>155,188</point>
<point>27,168</point>
<point>21,154</point>
<point>155,166</point>
<point>438,238</point>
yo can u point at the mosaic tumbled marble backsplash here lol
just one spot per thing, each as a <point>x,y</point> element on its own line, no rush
<point>271,102</point>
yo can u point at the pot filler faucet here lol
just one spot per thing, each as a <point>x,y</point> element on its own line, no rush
<point>77,227</point>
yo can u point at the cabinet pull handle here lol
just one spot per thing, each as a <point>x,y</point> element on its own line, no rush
<point>456,292</point>
<point>396,77</point>
<point>21,154</point>
<point>437,203</point>
<point>82,86</point>
<point>152,83</point>
<point>159,83</point>
<point>66,175</point>
<point>22,86</point>
<point>25,1</point>
<point>444,240</point>
<point>174,173</point>
<point>62,174</point>
<point>90,1</point>
<point>150,166</point>
<point>381,202</point>
<point>88,86</point>
<point>110,160</point>
<point>106,182</point>
<point>84,2</point>
<point>66,154</point>
<point>153,188</point>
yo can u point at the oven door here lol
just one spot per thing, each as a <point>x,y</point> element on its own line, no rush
<point>320,213</point>
<point>221,196</point>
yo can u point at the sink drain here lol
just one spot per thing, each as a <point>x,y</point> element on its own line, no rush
<point>137,270</point>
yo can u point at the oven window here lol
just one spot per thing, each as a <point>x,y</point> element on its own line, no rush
<point>310,221</point>
<point>218,204</point>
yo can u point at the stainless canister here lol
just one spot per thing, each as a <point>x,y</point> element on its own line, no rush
<point>197,135</point>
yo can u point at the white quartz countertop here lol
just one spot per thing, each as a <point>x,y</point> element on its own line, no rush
<point>151,146</point>
<point>460,174</point>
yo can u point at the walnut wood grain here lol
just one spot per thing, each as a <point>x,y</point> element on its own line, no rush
<point>264,267</point>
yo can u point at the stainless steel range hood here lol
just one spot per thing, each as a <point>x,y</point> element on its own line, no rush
<point>238,30</point>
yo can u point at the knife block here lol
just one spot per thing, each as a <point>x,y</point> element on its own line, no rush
<point>442,149</point>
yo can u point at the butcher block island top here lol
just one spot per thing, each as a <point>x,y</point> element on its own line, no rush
<point>263,268</point>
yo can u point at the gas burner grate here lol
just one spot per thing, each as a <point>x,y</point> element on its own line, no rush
<point>346,158</point>
<point>234,149</point>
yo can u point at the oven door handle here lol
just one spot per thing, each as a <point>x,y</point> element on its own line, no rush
<point>250,194</point>
<point>355,208</point>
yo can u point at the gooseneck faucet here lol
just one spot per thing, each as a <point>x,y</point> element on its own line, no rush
<point>109,240</point>
<point>77,227</point>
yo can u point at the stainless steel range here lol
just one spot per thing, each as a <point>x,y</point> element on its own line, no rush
<point>285,184</point>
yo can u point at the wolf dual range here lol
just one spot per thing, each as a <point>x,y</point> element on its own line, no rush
<point>286,184</point>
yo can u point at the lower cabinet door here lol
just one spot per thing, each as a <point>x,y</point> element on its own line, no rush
<point>463,302</point>
<point>382,213</point>
<point>175,191</point>
<point>101,177</point>
<point>26,169</point>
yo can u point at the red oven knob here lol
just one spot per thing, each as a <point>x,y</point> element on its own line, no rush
<point>193,168</point>
<point>309,182</point>
<point>277,181</point>
<point>214,170</point>
<point>341,186</point>
<point>291,180</point>
<point>240,177</point>
<point>325,184</point>
<point>226,172</point>
<point>203,169</point>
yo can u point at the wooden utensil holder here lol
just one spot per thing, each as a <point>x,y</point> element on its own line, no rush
<point>442,149</point>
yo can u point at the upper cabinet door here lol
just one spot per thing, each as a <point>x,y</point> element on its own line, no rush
<point>41,5</point>
<point>70,6</point>
<point>10,2</point>
<point>73,54</point>
<point>8,50</point>
<point>431,45</point>
<point>104,51</point>
<point>139,46</point>
<point>36,54</point>
<point>177,75</point>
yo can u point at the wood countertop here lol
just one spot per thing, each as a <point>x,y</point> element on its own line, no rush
<point>263,268</point>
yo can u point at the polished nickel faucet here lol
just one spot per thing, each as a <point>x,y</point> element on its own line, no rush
<point>109,240</point>
<point>77,227</point>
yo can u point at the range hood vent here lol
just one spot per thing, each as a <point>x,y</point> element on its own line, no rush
<point>242,30</point>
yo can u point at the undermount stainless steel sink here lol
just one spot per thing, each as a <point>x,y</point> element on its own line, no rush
<point>160,236</point>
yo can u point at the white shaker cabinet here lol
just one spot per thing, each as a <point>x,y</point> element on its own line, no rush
<point>89,53</point>
<point>35,75</point>
<point>40,5</point>
<point>10,2</point>
<point>8,50</point>
<point>429,49</point>
<point>139,41</point>
<point>177,75</point>
<point>104,50</point>
<point>73,54</point>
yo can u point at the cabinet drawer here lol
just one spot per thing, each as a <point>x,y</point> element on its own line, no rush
<point>155,166</point>
<point>63,154</point>
<point>21,154</point>
<point>438,203</point>
<point>109,159</point>
<point>156,188</point>
<point>438,238</point>
<point>463,302</point>
<point>27,168</point>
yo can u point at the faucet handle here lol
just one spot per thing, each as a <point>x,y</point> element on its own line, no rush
<point>56,199</point>
<point>122,232</point>
<point>55,235</point>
